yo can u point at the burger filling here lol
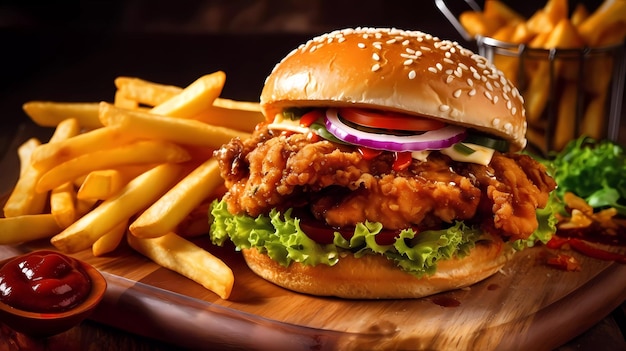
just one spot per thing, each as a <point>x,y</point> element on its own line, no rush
<point>315,184</point>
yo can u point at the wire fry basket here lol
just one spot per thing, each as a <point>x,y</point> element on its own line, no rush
<point>568,92</point>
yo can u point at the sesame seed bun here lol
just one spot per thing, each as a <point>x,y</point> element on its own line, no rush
<point>405,71</point>
<point>375,277</point>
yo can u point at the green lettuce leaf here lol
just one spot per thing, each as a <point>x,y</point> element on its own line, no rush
<point>593,170</point>
<point>547,223</point>
<point>280,237</point>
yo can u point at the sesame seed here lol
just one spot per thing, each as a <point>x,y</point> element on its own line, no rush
<point>508,127</point>
<point>361,45</point>
<point>391,41</point>
<point>432,69</point>
<point>410,51</point>
<point>457,93</point>
<point>476,76</point>
<point>418,53</point>
<point>495,122</point>
<point>488,95</point>
<point>449,79</point>
<point>509,104</point>
<point>444,108</point>
<point>447,54</point>
<point>447,60</point>
<point>439,66</point>
<point>489,87</point>
<point>449,71</point>
<point>425,48</point>
<point>375,67</point>
<point>513,110</point>
<point>495,99</point>
<point>406,42</point>
<point>472,92</point>
<point>412,74</point>
<point>378,45</point>
<point>376,57</point>
<point>458,73</point>
<point>462,65</point>
<point>470,82</point>
<point>407,62</point>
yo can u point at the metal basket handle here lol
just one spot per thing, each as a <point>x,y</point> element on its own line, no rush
<point>443,8</point>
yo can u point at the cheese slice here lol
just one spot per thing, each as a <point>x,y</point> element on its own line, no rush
<point>482,155</point>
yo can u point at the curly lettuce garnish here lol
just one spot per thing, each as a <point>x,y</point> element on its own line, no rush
<point>593,170</point>
<point>279,236</point>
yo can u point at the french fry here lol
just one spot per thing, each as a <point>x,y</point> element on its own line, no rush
<point>140,152</point>
<point>62,204</point>
<point>195,98</point>
<point>110,240</point>
<point>505,33</point>
<point>521,34</point>
<point>540,22</point>
<point>579,15</point>
<point>564,129</point>
<point>556,10</point>
<point>135,196</point>
<point>50,114</point>
<point>591,124</point>
<point>84,205</point>
<point>25,199</point>
<point>477,24</point>
<point>124,102</point>
<point>24,152</point>
<point>171,209</point>
<point>184,257</point>
<point>49,155</point>
<point>100,184</point>
<point>178,130</point>
<point>238,115</point>
<point>14,230</point>
<point>499,11</point>
<point>608,17</point>
<point>145,92</point>
<point>536,96</point>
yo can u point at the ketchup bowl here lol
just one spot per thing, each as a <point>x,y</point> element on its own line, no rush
<point>39,316</point>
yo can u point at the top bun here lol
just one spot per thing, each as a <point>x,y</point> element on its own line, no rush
<point>405,71</point>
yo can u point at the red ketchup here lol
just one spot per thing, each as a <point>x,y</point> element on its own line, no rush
<point>44,281</point>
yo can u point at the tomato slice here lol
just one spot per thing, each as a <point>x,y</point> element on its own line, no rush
<point>310,117</point>
<point>402,160</point>
<point>389,120</point>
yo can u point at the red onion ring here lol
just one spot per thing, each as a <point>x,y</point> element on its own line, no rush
<point>432,140</point>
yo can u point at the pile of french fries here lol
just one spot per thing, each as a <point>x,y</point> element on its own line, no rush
<point>554,27</point>
<point>137,168</point>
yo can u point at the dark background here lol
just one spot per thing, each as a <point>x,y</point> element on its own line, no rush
<point>39,38</point>
<point>70,50</point>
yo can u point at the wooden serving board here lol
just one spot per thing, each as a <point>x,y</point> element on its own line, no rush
<point>527,305</point>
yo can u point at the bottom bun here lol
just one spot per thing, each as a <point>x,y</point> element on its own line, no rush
<point>376,277</point>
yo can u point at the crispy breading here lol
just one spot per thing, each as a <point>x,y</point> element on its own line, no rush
<point>339,186</point>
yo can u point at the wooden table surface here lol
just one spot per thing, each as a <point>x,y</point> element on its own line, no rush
<point>81,67</point>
